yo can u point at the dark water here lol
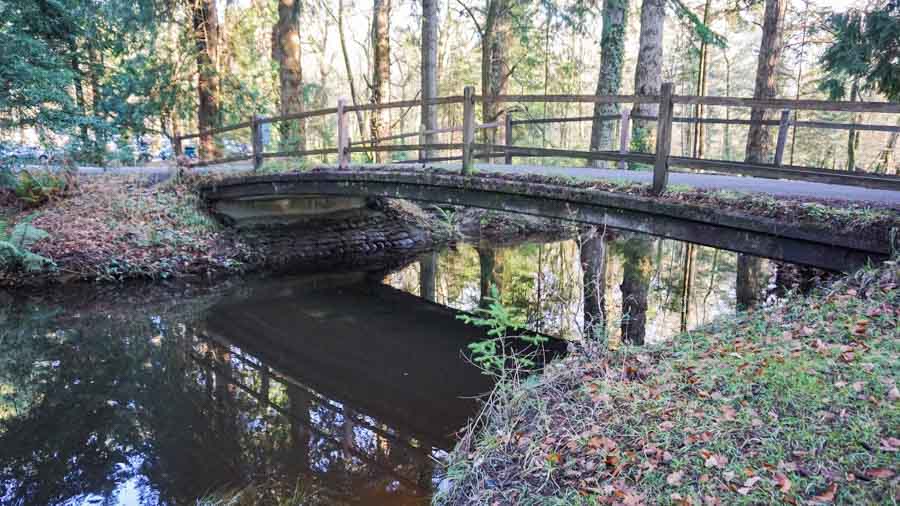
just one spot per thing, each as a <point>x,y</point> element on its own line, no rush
<point>343,388</point>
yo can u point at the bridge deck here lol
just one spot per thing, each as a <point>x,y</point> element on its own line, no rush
<point>778,239</point>
<point>774,187</point>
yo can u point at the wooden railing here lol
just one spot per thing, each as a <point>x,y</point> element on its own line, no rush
<point>661,160</point>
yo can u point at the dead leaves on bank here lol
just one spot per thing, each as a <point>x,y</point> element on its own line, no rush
<point>710,424</point>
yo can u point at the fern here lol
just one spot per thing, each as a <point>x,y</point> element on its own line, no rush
<point>15,247</point>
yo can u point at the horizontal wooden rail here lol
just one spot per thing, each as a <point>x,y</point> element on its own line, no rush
<point>613,156</point>
<point>404,103</point>
<point>215,131</point>
<point>299,115</point>
<point>299,153</point>
<point>795,105</point>
<point>403,147</point>
<point>583,99</point>
<point>717,121</point>
<point>219,161</point>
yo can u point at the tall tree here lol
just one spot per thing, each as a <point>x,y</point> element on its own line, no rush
<point>612,59</point>
<point>648,71</point>
<point>381,71</point>
<point>496,37</point>
<point>430,23</point>
<point>287,51</point>
<point>766,85</point>
<point>206,39</point>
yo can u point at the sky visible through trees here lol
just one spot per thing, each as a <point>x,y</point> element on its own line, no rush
<point>93,77</point>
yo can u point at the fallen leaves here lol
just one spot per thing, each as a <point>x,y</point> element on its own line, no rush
<point>783,483</point>
<point>714,459</point>
<point>827,496</point>
<point>879,473</point>
<point>674,478</point>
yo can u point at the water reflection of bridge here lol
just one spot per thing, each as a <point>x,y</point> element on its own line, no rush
<point>361,367</point>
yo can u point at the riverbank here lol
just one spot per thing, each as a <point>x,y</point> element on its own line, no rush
<point>798,404</point>
<point>115,228</point>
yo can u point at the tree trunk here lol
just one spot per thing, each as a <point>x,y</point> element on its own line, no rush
<point>354,96</point>
<point>853,134</point>
<point>287,52</point>
<point>381,77</point>
<point>648,72</point>
<point>430,23</point>
<point>612,58</point>
<point>766,86</point>
<point>701,87</point>
<point>77,78</point>
<point>495,70</point>
<point>750,281</point>
<point>593,271</point>
<point>206,37</point>
<point>726,134</point>
<point>636,270</point>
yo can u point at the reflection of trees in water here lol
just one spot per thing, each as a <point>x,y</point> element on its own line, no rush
<point>651,287</point>
<point>113,396</point>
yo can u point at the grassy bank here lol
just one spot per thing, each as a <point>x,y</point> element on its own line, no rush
<point>797,404</point>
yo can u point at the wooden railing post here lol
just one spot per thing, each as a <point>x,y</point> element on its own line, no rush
<point>624,135</point>
<point>343,138</point>
<point>508,131</point>
<point>468,128</point>
<point>663,139</point>
<point>257,142</point>
<point>783,127</point>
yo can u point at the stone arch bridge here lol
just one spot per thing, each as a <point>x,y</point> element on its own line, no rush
<point>323,192</point>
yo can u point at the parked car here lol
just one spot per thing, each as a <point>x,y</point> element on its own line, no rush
<point>234,148</point>
<point>30,154</point>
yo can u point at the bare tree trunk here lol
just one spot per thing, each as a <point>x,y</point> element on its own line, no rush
<point>593,270</point>
<point>766,86</point>
<point>77,78</point>
<point>206,38</point>
<point>853,134</point>
<point>430,23</point>
<point>648,72</point>
<point>726,135</point>
<point>701,87</point>
<point>750,281</point>
<point>354,96</point>
<point>636,271</point>
<point>287,52</point>
<point>495,41</point>
<point>609,82</point>
<point>381,75</point>
<point>803,39</point>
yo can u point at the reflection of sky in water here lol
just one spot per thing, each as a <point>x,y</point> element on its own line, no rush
<point>544,282</point>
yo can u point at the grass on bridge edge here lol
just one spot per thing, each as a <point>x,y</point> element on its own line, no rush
<point>796,404</point>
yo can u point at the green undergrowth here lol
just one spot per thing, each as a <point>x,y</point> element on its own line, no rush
<point>797,404</point>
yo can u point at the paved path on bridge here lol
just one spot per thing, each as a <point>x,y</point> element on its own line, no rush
<point>774,187</point>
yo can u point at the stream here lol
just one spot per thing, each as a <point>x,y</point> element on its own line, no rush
<point>338,388</point>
